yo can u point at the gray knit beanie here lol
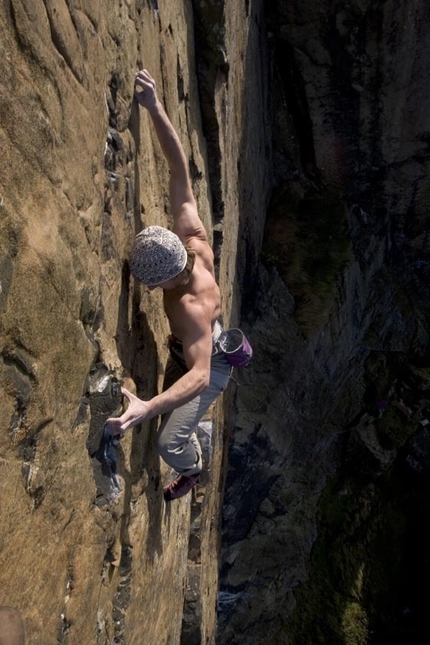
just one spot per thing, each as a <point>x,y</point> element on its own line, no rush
<point>157,255</point>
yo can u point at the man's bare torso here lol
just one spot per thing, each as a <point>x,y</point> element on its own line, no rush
<point>199,298</point>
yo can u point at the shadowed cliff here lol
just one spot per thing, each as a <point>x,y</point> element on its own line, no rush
<point>324,539</point>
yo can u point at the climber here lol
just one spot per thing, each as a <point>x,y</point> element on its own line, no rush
<point>180,262</point>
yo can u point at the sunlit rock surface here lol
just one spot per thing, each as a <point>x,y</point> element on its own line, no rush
<point>82,172</point>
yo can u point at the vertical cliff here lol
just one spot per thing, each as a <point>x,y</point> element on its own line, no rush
<point>323,528</point>
<point>82,172</point>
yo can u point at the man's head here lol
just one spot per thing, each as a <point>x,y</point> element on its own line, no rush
<point>158,255</point>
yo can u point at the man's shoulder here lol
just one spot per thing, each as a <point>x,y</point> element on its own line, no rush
<point>199,245</point>
<point>204,263</point>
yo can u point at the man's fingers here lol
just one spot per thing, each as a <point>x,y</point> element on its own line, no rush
<point>145,75</point>
<point>144,80</point>
<point>144,85</point>
<point>128,394</point>
<point>114,426</point>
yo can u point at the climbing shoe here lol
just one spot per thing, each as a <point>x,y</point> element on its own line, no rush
<point>180,486</point>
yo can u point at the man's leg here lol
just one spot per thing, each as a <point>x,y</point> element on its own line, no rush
<point>177,441</point>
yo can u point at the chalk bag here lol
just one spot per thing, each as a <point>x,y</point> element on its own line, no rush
<point>236,347</point>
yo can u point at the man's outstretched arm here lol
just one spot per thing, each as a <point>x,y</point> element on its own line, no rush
<point>197,353</point>
<point>182,203</point>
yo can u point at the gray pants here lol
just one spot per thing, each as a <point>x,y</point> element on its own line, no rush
<point>176,438</point>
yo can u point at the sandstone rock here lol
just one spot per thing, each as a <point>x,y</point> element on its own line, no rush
<point>82,174</point>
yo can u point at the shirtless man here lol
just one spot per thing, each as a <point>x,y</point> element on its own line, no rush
<point>180,262</point>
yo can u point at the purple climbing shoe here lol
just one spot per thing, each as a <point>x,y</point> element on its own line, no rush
<point>180,486</point>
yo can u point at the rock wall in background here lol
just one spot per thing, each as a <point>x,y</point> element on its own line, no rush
<point>323,530</point>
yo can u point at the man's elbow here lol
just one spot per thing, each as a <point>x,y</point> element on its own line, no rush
<point>203,380</point>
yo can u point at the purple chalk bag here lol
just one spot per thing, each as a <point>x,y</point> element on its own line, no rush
<point>236,347</point>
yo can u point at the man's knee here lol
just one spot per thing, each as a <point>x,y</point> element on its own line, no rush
<point>163,445</point>
<point>171,446</point>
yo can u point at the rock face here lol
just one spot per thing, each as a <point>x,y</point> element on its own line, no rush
<point>82,173</point>
<point>306,127</point>
<point>330,455</point>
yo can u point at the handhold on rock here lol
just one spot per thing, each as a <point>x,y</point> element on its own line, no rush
<point>106,455</point>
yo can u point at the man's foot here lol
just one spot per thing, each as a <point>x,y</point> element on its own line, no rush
<point>180,486</point>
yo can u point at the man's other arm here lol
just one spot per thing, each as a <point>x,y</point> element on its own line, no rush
<point>187,223</point>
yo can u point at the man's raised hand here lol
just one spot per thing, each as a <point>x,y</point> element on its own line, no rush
<point>145,89</point>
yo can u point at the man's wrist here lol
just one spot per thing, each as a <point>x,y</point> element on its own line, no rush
<point>155,108</point>
<point>149,413</point>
